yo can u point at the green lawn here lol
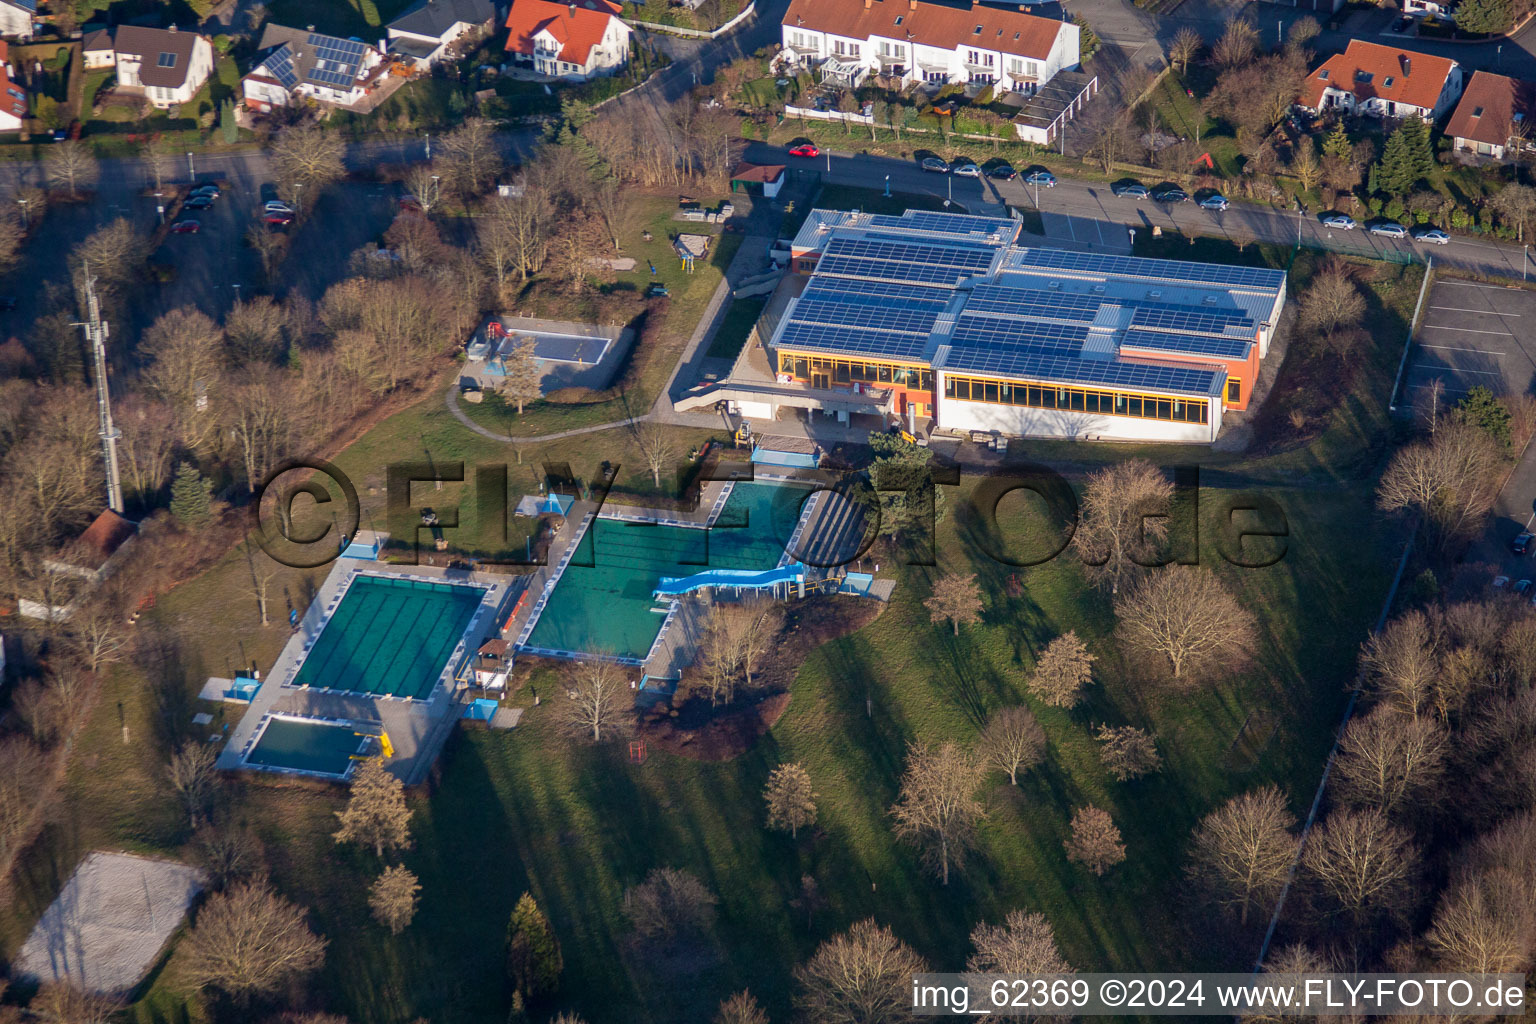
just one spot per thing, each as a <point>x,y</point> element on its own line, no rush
<point>740,317</point>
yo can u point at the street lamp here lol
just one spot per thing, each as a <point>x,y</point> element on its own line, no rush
<point>25,225</point>
<point>429,146</point>
<point>887,186</point>
<point>191,173</point>
<point>160,206</point>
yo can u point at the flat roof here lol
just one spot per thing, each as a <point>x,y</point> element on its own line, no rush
<point>955,292</point>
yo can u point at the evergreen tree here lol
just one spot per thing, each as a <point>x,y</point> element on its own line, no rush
<point>1481,408</point>
<point>1337,143</point>
<point>1407,158</point>
<point>902,488</point>
<point>534,962</point>
<point>191,497</point>
<point>1493,17</point>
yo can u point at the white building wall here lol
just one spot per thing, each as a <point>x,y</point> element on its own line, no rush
<point>15,22</point>
<point>1018,421</point>
<point>269,93</point>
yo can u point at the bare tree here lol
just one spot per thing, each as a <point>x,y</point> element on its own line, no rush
<point>186,367</point>
<point>1184,615</point>
<point>595,697</point>
<point>937,810</point>
<point>515,237</point>
<point>424,185</point>
<point>808,899</point>
<point>227,854</point>
<point>248,941</point>
<point>1063,671</point>
<point>1185,47</point>
<point>271,248</point>
<point>12,235</point>
<point>861,976</point>
<point>262,570</point>
<point>471,159</point>
<point>669,906</point>
<point>956,597</point>
<point>262,415</point>
<point>1390,761</point>
<point>1485,923</point>
<point>99,634</point>
<point>791,802</point>
<point>306,158</point>
<point>253,331</point>
<point>1123,524</point>
<point>524,377</point>
<point>393,898</point>
<point>22,771</point>
<point>740,1008</point>
<point>1332,300</point>
<point>1237,46</point>
<point>195,779</point>
<point>1128,752</point>
<point>1447,481</point>
<point>1013,741</point>
<point>1305,167</point>
<point>1022,944</point>
<point>1362,864</point>
<point>376,814</point>
<point>1402,666</point>
<point>71,165</point>
<point>1095,840</point>
<point>1302,31</point>
<point>62,1002</point>
<point>616,206</point>
<point>1243,850</point>
<point>656,444</point>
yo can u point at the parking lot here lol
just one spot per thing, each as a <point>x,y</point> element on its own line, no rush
<point>1469,335</point>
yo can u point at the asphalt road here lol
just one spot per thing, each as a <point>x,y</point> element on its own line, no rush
<point>1094,216</point>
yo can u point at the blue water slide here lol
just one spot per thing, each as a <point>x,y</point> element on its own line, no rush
<point>730,578</point>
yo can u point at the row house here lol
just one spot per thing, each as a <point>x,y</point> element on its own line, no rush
<point>933,43</point>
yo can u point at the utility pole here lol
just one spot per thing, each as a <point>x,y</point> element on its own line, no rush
<point>96,335</point>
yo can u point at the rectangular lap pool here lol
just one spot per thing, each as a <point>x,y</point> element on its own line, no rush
<point>604,600</point>
<point>309,745</point>
<point>390,636</point>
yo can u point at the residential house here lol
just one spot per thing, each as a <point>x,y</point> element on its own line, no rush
<point>300,63</point>
<point>17,18</point>
<point>170,66</point>
<point>574,41</point>
<point>1492,118</point>
<point>1384,81</point>
<point>13,98</point>
<point>937,43</point>
<point>424,32</point>
<point>97,48</point>
<point>1443,9</point>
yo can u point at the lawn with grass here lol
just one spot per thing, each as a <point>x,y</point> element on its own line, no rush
<point>740,317</point>
<point>652,361</point>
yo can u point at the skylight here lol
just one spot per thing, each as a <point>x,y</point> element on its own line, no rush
<point>1477,111</point>
<point>1363,77</point>
<point>1386,83</point>
<point>978,30</point>
<point>899,17</point>
<point>1323,74</point>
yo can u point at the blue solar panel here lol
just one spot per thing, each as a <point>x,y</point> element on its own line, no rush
<point>877,293</point>
<point>948,223</point>
<point>280,64</point>
<point>1192,320</point>
<point>906,321</point>
<point>852,341</point>
<point>1005,338</point>
<point>891,270</point>
<point>1175,380</point>
<point>1162,270</point>
<point>1194,344</point>
<point>895,247</point>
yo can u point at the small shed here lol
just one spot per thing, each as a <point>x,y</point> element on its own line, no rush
<point>768,178</point>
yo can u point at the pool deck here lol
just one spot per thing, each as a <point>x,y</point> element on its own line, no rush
<point>417,728</point>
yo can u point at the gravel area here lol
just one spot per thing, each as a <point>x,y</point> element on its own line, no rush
<point>109,923</point>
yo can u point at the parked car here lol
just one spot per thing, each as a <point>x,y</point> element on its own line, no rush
<point>1342,221</point>
<point>1434,236</point>
<point>211,191</point>
<point>276,219</point>
<point>1389,229</point>
<point>1171,194</point>
<point>1500,582</point>
<point>1522,542</point>
<point>807,149</point>
<point>1130,190</point>
<point>1043,178</point>
<point>1002,172</point>
<point>274,206</point>
<point>197,203</point>
<point>967,170</point>
<point>1521,586</point>
<point>1402,24</point>
<point>934,164</point>
<point>1216,201</point>
<point>186,227</point>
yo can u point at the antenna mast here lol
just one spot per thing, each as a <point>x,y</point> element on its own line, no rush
<point>96,334</point>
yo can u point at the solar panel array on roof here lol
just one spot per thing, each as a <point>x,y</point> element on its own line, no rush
<point>876,293</point>
<point>336,60</point>
<point>948,223</point>
<point>1193,344</point>
<point>983,341</point>
<point>1177,380</point>
<point>866,342</point>
<point>1192,320</point>
<point>892,270</point>
<point>906,321</point>
<point>1161,270</point>
<point>280,65</point>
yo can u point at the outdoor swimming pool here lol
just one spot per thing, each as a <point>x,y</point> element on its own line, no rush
<point>390,636</point>
<point>604,600</point>
<point>312,746</point>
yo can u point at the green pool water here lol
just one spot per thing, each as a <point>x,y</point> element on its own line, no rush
<point>604,600</point>
<point>305,745</point>
<point>390,636</point>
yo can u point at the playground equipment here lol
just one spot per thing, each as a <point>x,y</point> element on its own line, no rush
<point>386,748</point>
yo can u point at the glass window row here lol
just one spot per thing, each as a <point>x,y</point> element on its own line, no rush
<point>1046,396</point>
<point>845,371</point>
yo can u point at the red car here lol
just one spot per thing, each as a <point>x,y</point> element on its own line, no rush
<point>186,227</point>
<point>807,149</point>
<point>277,220</point>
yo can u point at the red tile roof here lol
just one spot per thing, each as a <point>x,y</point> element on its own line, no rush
<point>100,540</point>
<point>765,173</point>
<point>576,26</point>
<point>932,24</point>
<point>1400,76</point>
<point>1487,108</point>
